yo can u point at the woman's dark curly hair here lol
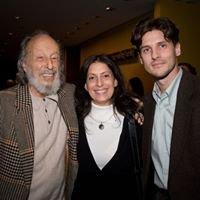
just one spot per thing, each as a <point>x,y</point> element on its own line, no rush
<point>121,100</point>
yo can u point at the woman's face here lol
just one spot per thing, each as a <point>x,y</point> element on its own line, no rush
<point>100,83</point>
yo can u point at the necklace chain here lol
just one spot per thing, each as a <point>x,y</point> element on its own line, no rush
<point>101,123</point>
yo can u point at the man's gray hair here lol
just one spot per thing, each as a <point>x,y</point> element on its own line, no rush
<point>21,75</point>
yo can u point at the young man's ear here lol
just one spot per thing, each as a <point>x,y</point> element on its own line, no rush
<point>140,59</point>
<point>178,49</point>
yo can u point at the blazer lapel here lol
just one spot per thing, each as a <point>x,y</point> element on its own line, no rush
<point>180,126</point>
<point>64,109</point>
<point>25,131</point>
<point>67,109</point>
<point>64,98</point>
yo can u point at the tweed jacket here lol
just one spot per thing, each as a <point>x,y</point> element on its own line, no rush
<point>184,167</point>
<point>17,140</point>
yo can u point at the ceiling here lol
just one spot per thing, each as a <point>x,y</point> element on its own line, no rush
<point>72,22</point>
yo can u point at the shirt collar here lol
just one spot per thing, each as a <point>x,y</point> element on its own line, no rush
<point>170,92</point>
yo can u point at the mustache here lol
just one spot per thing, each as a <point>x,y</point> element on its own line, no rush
<point>49,71</point>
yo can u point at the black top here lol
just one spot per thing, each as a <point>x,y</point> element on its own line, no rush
<point>115,181</point>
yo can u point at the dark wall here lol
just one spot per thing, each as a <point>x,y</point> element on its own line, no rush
<point>8,70</point>
<point>72,63</point>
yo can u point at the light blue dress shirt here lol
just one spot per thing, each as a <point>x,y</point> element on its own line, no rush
<point>162,129</point>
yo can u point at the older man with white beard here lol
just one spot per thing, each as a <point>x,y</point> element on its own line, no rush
<point>38,126</point>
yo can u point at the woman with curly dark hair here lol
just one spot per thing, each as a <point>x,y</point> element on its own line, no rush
<point>108,149</point>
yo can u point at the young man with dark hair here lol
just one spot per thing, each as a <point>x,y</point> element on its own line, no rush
<point>171,130</point>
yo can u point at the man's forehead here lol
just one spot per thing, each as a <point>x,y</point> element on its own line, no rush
<point>154,36</point>
<point>42,41</point>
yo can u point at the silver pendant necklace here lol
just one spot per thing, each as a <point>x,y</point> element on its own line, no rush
<point>100,123</point>
<point>101,126</point>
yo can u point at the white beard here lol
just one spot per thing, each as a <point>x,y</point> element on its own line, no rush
<point>44,89</point>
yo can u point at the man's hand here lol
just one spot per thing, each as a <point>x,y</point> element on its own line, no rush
<point>139,118</point>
